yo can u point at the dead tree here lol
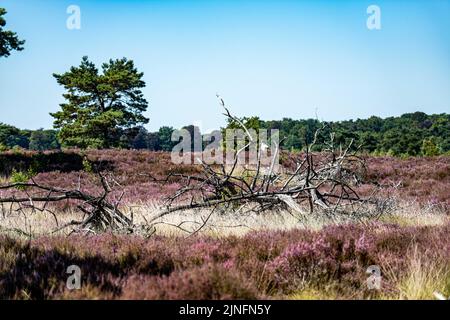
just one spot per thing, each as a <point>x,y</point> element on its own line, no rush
<point>99,213</point>
<point>322,182</point>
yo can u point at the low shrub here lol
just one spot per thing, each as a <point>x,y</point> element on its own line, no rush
<point>268,264</point>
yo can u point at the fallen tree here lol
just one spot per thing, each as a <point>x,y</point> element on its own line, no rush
<point>99,213</point>
<point>322,182</point>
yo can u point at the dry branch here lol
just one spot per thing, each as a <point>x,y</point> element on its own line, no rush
<point>322,181</point>
<point>100,215</point>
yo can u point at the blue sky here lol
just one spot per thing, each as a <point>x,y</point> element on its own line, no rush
<point>273,59</point>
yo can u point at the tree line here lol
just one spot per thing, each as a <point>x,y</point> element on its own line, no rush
<point>411,134</point>
<point>104,108</point>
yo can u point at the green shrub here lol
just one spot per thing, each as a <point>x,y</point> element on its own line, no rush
<point>17,149</point>
<point>429,148</point>
<point>87,165</point>
<point>21,177</point>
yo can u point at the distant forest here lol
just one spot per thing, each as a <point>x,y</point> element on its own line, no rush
<point>412,134</point>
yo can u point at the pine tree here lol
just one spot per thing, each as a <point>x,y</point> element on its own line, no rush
<point>99,107</point>
<point>8,39</point>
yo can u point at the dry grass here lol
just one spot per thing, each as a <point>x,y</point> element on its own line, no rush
<point>314,294</point>
<point>34,224</point>
<point>224,224</point>
<point>422,279</point>
<point>219,224</point>
<point>296,264</point>
<point>4,180</point>
<point>410,213</point>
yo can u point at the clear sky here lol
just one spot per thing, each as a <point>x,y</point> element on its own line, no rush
<point>273,59</point>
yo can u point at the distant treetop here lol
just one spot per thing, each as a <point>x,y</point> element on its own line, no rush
<point>8,39</point>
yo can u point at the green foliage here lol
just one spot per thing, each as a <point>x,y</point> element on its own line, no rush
<point>413,134</point>
<point>403,136</point>
<point>21,177</point>
<point>165,138</point>
<point>153,141</point>
<point>17,149</point>
<point>396,136</point>
<point>429,148</point>
<point>141,140</point>
<point>87,165</point>
<point>14,138</point>
<point>156,141</point>
<point>99,107</point>
<point>8,39</point>
<point>11,136</point>
<point>41,140</point>
<point>251,123</point>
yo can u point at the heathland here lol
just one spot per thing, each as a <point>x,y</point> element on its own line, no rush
<point>270,255</point>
